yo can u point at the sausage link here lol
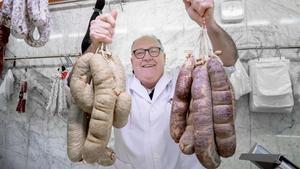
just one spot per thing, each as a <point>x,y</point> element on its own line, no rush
<point>123,103</point>
<point>201,110</point>
<point>186,142</point>
<point>223,108</point>
<point>95,147</point>
<point>81,90</point>
<point>181,99</point>
<point>19,27</point>
<point>76,130</point>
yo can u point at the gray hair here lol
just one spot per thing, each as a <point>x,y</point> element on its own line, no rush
<point>152,37</point>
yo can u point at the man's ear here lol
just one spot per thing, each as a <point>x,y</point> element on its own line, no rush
<point>131,65</point>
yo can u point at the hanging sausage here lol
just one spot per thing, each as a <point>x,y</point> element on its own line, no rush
<point>106,101</point>
<point>4,35</point>
<point>204,123</point>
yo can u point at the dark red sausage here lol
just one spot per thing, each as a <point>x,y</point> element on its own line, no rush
<point>181,99</point>
<point>223,108</point>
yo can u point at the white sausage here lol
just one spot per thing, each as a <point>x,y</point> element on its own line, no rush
<point>19,28</point>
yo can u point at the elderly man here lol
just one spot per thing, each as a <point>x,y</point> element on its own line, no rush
<point>145,142</point>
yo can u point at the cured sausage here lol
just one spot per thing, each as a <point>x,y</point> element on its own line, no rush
<point>40,22</point>
<point>181,99</point>
<point>186,142</point>
<point>19,27</point>
<point>38,12</point>
<point>223,108</point>
<point>6,12</point>
<point>201,110</point>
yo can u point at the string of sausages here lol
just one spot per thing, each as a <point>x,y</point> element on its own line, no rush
<point>98,88</point>
<point>22,97</point>
<point>4,35</point>
<point>24,16</point>
<point>203,108</point>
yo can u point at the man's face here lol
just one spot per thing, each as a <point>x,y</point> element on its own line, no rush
<point>148,69</point>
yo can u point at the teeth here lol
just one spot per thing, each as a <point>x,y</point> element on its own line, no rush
<point>146,66</point>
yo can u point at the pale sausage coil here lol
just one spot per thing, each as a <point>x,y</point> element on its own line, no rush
<point>107,102</point>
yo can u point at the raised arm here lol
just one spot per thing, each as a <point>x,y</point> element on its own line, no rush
<point>101,31</point>
<point>200,10</point>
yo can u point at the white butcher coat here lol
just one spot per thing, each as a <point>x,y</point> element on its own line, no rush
<point>145,141</point>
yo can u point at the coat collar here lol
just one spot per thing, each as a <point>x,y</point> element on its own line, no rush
<point>138,88</point>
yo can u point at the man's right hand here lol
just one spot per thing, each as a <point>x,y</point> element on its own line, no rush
<point>103,27</point>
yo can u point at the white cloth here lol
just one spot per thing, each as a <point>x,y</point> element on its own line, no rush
<point>240,80</point>
<point>145,142</point>
<point>57,100</point>
<point>6,90</point>
<point>271,85</point>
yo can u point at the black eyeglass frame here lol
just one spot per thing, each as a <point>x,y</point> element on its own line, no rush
<point>146,50</point>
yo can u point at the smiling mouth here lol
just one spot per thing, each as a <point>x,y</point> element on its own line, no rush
<point>148,65</point>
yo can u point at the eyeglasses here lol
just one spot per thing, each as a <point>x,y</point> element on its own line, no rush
<point>140,53</point>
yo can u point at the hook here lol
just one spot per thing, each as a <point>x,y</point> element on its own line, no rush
<point>25,74</point>
<point>109,5</point>
<point>69,61</point>
<point>62,64</point>
<point>277,51</point>
<point>120,1</point>
<point>261,51</point>
<point>97,10</point>
<point>14,62</point>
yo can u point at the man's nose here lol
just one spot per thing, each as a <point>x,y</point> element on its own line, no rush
<point>147,55</point>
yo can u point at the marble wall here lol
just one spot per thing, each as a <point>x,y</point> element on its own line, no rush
<point>37,139</point>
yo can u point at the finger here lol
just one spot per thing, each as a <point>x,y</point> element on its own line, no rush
<point>104,32</point>
<point>106,26</point>
<point>109,19</point>
<point>100,25</point>
<point>97,38</point>
<point>99,34</point>
<point>198,6</point>
<point>114,14</point>
<point>194,14</point>
<point>202,6</point>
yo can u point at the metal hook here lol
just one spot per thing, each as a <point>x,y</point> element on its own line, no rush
<point>256,50</point>
<point>109,5</point>
<point>97,10</point>
<point>61,61</point>
<point>120,1</point>
<point>68,60</point>
<point>25,73</point>
<point>261,51</point>
<point>277,51</point>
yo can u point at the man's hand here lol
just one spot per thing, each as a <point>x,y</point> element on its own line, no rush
<point>103,27</point>
<point>200,10</point>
